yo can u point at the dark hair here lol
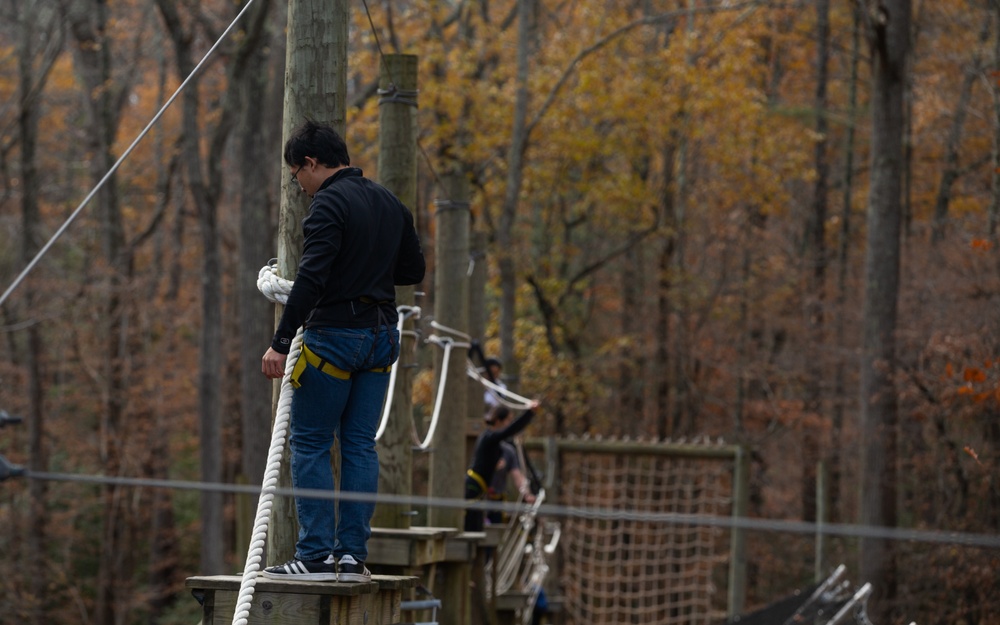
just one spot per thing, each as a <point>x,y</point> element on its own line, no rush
<point>319,141</point>
<point>489,362</point>
<point>497,413</point>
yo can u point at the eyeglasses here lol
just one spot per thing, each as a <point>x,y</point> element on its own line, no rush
<point>294,178</point>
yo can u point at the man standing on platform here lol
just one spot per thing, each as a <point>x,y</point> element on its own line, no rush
<point>359,243</point>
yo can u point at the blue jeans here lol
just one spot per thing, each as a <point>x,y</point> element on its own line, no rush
<point>324,407</point>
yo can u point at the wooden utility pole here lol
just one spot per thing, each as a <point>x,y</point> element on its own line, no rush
<point>397,171</point>
<point>451,309</point>
<point>315,88</point>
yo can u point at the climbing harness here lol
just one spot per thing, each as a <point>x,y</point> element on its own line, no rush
<point>310,358</point>
<point>478,479</point>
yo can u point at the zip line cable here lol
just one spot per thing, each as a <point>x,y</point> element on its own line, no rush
<point>967,539</point>
<point>62,229</point>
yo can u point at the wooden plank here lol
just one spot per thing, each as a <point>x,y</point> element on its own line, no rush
<point>463,547</point>
<point>358,610</point>
<point>272,607</point>
<point>413,547</point>
<point>233,582</point>
<point>305,602</point>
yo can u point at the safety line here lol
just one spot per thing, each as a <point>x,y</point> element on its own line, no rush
<point>404,312</point>
<point>967,539</point>
<point>272,471</point>
<point>62,229</point>
<point>448,344</point>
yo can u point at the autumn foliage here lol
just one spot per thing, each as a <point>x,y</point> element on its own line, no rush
<point>664,279</point>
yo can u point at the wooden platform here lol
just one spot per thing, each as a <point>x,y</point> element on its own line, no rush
<point>421,546</point>
<point>280,602</point>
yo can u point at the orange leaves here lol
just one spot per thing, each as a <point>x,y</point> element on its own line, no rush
<point>974,374</point>
<point>972,452</point>
<point>978,383</point>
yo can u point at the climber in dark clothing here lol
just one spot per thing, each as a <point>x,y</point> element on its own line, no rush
<point>487,453</point>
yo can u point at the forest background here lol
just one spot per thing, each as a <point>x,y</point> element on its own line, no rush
<point>677,198</point>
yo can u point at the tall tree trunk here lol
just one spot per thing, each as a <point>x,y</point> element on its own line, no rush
<point>815,256</point>
<point>30,84</point>
<point>664,288</point>
<point>950,171</point>
<point>260,177</point>
<point>889,38</point>
<point>994,211</point>
<point>210,343</point>
<point>204,175</point>
<point>632,370</point>
<point>515,174</point>
<point>843,256</point>
<point>88,22</point>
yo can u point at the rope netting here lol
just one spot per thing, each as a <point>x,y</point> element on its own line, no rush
<point>636,571</point>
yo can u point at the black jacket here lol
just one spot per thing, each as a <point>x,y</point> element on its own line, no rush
<point>487,450</point>
<point>359,243</point>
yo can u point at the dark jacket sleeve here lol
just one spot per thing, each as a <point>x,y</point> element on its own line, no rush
<point>514,427</point>
<point>323,230</point>
<point>410,264</point>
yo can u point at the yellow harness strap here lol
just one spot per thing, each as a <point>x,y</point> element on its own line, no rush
<point>478,479</point>
<point>309,357</point>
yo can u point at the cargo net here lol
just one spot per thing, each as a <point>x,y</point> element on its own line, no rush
<point>619,570</point>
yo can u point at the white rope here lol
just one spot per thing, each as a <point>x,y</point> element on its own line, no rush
<point>282,418</point>
<point>404,313</point>
<point>276,290</point>
<point>45,248</point>
<point>510,553</point>
<point>448,344</point>
<point>274,287</point>
<point>505,396</point>
<point>443,328</point>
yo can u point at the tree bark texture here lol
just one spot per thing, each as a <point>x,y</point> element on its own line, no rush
<point>889,24</point>
<point>315,88</point>
<point>397,171</point>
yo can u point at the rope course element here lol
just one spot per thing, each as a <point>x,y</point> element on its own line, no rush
<point>448,344</point>
<point>672,572</point>
<point>404,313</point>
<point>395,95</point>
<point>506,396</point>
<point>520,561</point>
<point>121,159</point>
<point>275,289</point>
<point>258,537</point>
<point>510,554</point>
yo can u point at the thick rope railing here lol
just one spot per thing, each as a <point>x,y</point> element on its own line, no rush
<point>404,313</point>
<point>448,344</point>
<point>275,289</point>
<point>506,396</point>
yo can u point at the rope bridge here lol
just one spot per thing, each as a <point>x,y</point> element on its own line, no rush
<point>635,571</point>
